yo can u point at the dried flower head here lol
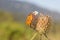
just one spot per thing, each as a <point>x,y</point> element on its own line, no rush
<point>40,23</point>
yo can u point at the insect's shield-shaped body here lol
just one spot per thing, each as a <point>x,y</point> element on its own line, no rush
<point>30,18</point>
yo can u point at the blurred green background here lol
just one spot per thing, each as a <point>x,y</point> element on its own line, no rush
<point>10,28</point>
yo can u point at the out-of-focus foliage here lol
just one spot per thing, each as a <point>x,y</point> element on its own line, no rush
<point>10,29</point>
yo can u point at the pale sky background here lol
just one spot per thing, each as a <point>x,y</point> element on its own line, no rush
<point>50,4</point>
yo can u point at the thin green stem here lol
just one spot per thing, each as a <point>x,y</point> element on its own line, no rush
<point>34,36</point>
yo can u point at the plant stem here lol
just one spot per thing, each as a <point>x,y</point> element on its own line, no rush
<point>34,36</point>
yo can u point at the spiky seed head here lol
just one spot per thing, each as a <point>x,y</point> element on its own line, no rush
<point>42,23</point>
